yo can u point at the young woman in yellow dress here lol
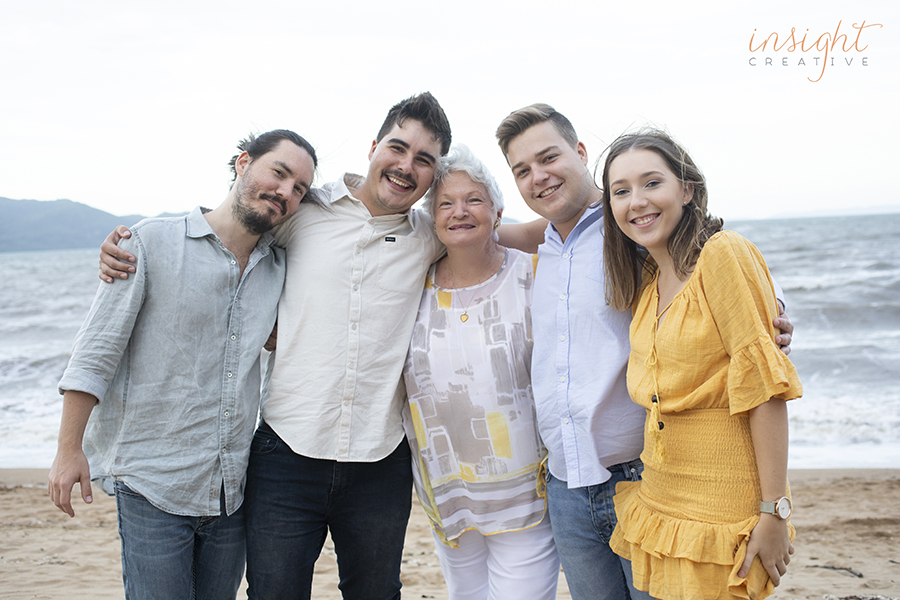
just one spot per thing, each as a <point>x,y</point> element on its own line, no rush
<point>710,517</point>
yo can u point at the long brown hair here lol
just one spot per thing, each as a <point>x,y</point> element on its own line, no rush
<point>624,262</point>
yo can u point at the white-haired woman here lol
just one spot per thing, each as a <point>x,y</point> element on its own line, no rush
<point>470,418</point>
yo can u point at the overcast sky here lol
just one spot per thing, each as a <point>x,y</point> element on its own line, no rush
<point>135,107</point>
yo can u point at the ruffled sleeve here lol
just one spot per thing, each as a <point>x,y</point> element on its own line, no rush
<point>741,299</point>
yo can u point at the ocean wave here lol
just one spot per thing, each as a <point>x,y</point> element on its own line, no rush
<point>820,322</point>
<point>846,419</point>
<point>25,370</point>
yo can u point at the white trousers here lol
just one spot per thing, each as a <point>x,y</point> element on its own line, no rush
<point>504,566</point>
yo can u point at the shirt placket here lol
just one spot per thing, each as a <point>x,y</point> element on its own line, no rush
<point>229,386</point>
<point>227,403</point>
<point>563,353</point>
<point>357,275</point>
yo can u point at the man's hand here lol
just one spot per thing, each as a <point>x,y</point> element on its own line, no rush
<point>784,325</point>
<point>70,465</point>
<point>115,262</point>
<point>770,541</point>
<point>273,339</point>
<point>69,468</point>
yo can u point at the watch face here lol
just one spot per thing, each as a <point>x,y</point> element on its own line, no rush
<point>784,508</point>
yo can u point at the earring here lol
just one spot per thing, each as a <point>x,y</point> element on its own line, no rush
<point>497,224</point>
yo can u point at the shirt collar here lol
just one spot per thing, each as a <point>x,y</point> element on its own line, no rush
<point>335,190</point>
<point>198,227</point>
<point>592,214</point>
<point>344,188</point>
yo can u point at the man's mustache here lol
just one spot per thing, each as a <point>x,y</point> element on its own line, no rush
<point>275,198</point>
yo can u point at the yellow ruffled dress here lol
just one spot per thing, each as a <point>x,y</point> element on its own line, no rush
<point>699,371</point>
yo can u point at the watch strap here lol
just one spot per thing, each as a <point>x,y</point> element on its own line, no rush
<point>772,508</point>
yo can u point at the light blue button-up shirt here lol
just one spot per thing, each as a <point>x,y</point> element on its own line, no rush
<point>173,355</point>
<point>586,418</point>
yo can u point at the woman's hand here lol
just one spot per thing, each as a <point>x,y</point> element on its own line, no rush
<point>770,541</point>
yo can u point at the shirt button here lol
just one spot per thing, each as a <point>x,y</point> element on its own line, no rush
<point>234,337</point>
<point>233,262</point>
<point>355,287</point>
<point>565,255</point>
<point>562,296</point>
<point>226,413</point>
<point>562,379</point>
<point>229,373</point>
<point>562,338</point>
<point>224,450</point>
<point>566,420</point>
<point>353,327</point>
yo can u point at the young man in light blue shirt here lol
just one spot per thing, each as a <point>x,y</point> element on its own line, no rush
<point>590,426</point>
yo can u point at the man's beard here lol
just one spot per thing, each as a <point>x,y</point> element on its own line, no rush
<point>255,222</point>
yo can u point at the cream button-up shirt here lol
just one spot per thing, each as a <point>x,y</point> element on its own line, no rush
<point>333,386</point>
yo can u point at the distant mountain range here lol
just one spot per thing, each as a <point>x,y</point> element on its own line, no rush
<point>28,225</point>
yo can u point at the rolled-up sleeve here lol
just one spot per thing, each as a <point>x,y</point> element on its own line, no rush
<point>105,333</point>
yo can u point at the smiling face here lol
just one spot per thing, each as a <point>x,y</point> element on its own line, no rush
<point>646,198</point>
<point>269,188</point>
<point>401,169</point>
<point>464,214</point>
<point>552,176</point>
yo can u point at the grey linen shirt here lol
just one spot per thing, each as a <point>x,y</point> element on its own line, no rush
<point>173,355</point>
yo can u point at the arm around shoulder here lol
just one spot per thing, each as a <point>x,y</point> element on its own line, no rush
<point>523,236</point>
<point>114,261</point>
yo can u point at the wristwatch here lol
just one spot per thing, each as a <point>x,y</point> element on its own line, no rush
<point>781,508</point>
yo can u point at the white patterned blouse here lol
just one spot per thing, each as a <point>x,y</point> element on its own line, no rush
<point>470,419</point>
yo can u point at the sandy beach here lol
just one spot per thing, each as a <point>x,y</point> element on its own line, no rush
<point>847,546</point>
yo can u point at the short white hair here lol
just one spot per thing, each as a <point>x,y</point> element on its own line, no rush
<point>461,159</point>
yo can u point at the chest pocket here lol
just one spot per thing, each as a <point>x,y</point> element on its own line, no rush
<point>402,264</point>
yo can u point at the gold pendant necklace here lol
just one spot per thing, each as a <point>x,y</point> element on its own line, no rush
<point>465,316</point>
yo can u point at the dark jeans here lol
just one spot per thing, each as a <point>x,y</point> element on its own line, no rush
<point>290,503</point>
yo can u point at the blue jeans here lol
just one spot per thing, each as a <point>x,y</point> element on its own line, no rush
<point>291,501</point>
<point>583,520</point>
<point>168,556</point>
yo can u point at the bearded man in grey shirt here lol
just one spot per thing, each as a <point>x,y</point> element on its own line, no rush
<point>170,360</point>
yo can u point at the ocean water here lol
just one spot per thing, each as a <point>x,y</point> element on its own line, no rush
<point>841,277</point>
